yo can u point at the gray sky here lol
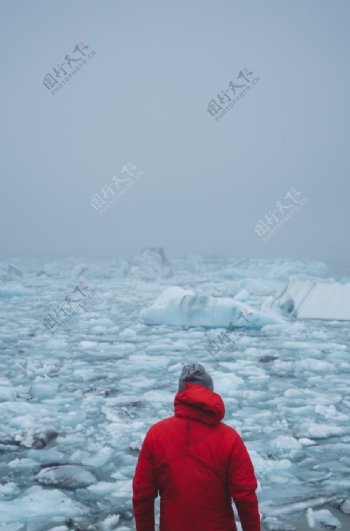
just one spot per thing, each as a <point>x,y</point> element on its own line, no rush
<point>143,98</point>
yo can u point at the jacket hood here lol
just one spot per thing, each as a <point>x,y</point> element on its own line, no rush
<point>199,403</point>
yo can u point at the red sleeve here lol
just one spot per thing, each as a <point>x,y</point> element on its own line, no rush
<point>145,489</point>
<point>243,484</point>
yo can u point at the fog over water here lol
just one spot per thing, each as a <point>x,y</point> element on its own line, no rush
<point>143,97</point>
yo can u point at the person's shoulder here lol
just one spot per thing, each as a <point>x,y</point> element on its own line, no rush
<point>233,439</point>
<point>160,425</point>
<point>228,431</point>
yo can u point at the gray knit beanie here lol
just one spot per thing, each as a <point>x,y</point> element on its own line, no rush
<point>195,373</point>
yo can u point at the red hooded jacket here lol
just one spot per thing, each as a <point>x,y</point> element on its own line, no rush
<point>197,464</point>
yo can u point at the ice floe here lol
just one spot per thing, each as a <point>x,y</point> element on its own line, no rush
<point>179,307</point>
<point>76,403</point>
<point>316,299</point>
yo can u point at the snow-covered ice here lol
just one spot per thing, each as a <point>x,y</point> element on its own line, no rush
<point>179,307</point>
<point>322,518</point>
<point>309,298</point>
<point>76,402</point>
<point>66,476</point>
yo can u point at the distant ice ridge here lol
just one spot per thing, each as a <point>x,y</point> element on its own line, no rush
<point>150,264</point>
<point>314,299</point>
<point>179,307</point>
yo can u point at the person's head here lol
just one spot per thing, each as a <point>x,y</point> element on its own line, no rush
<point>195,373</point>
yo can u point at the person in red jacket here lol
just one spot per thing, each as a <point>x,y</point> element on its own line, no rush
<point>197,464</point>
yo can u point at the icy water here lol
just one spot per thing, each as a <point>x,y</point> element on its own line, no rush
<point>76,401</point>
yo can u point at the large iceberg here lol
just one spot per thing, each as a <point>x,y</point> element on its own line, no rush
<point>316,299</point>
<point>179,307</point>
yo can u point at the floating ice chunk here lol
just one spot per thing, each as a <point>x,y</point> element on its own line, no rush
<point>180,346</point>
<point>23,430</point>
<point>4,381</point>
<point>319,334</point>
<point>285,447</point>
<point>179,307</point>
<point>330,412</point>
<point>43,438</point>
<point>103,322</point>
<point>7,394</point>
<point>322,518</point>
<point>273,524</point>
<point>55,344</point>
<point>318,431</point>
<point>102,488</point>
<point>38,502</point>
<point>159,396</point>
<point>143,382</point>
<point>99,330</point>
<point>145,362</point>
<point>128,333</point>
<point>268,470</point>
<point>17,526</point>
<point>292,508</point>
<point>307,442</point>
<point>14,291</point>
<point>226,384</point>
<point>312,299</point>
<point>8,489</point>
<point>123,488</point>
<point>242,295</point>
<point>22,463</point>
<point>288,268</point>
<point>66,476</point>
<point>87,344</point>
<point>44,389</point>
<point>315,366</point>
<point>100,458</point>
<point>297,345</point>
<point>267,358</point>
<point>344,506</point>
<point>171,346</point>
<point>50,368</point>
<point>110,523</point>
<point>176,368</point>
